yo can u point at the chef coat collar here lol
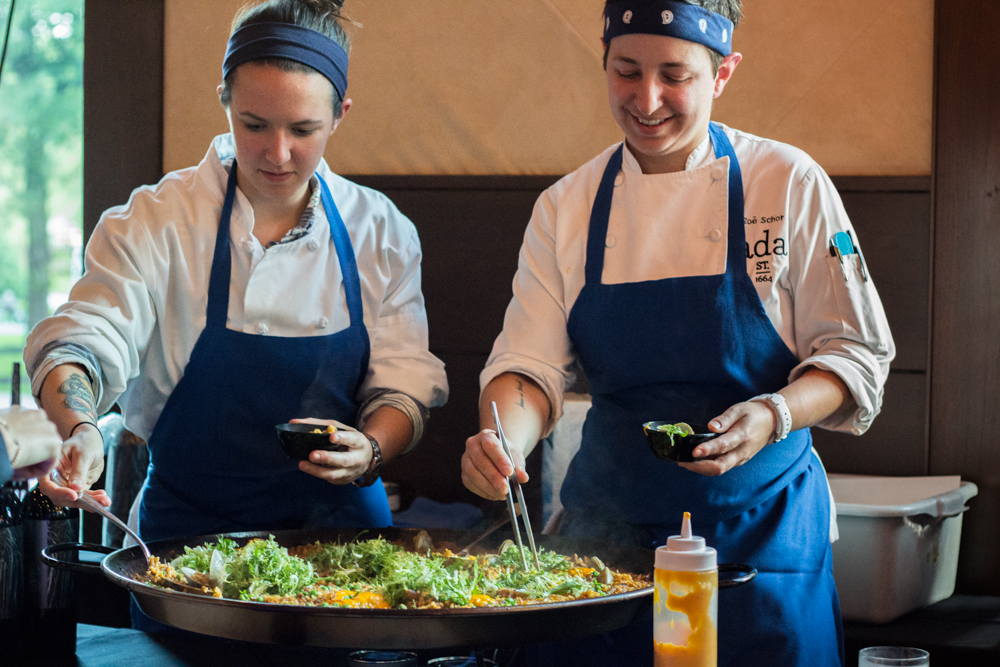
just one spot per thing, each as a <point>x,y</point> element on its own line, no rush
<point>699,157</point>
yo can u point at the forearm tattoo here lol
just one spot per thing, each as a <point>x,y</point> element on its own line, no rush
<point>520,391</point>
<point>79,396</point>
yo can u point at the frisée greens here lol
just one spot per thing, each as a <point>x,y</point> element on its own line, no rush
<point>260,568</point>
<point>379,573</point>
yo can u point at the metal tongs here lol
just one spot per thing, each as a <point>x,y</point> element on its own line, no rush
<point>516,487</point>
<point>95,506</point>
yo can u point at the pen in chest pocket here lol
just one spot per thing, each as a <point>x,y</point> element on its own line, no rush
<point>842,245</point>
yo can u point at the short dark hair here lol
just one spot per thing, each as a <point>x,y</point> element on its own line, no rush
<point>323,16</point>
<point>731,9</point>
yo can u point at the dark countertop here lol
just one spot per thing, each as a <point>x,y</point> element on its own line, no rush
<point>99,646</point>
<point>962,631</point>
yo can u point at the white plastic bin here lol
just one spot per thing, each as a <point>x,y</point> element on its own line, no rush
<point>898,546</point>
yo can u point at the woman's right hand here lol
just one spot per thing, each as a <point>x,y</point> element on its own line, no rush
<point>485,466</point>
<point>80,464</point>
<point>68,398</point>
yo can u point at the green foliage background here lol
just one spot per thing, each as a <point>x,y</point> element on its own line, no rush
<point>41,157</point>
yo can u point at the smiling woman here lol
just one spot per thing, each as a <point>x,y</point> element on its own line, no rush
<point>300,301</point>
<point>637,266</point>
<point>661,92</point>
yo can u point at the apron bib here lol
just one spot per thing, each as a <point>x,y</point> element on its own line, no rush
<point>215,462</point>
<point>686,349</point>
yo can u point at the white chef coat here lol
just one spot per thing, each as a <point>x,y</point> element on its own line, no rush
<point>140,306</point>
<point>791,211</point>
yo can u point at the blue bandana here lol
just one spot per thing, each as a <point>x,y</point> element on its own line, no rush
<point>671,19</point>
<point>291,42</point>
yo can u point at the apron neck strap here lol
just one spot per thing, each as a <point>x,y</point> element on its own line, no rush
<point>736,259</point>
<point>345,253</point>
<point>218,286</point>
<point>600,213</point>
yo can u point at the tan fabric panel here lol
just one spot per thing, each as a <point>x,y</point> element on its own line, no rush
<point>516,87</point>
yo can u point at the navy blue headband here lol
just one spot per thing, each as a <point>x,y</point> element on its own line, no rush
<point>291,42</point>
<point>672,19</point>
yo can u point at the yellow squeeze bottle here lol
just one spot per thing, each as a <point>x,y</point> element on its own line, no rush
<point>685,602</point>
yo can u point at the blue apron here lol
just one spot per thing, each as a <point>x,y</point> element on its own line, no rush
<point>215,462</point>
<point>686,349</point>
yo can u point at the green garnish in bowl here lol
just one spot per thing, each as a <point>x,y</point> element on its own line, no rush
<point>680,428</point>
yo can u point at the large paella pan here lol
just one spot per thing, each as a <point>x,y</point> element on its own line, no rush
<point>378,628</point>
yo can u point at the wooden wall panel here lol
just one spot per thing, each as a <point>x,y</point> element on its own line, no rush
<point>895,445</point>
<point>893,229</point>
<point>123,102</point>
<point>470,240</point>
<point>965,339</point>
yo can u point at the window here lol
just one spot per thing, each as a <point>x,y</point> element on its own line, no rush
<point>41,169</point>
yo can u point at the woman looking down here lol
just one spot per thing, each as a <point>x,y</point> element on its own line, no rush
<point>253,289</point>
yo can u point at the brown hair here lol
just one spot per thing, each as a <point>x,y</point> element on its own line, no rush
<point>323,16</point>
<point>731,9</point>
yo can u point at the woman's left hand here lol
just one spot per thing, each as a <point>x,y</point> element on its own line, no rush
<point>746,428</point>
<point>341,467</point>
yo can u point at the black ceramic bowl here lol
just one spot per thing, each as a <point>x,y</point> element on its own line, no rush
<point>681,447</point>
<point>298,440</point>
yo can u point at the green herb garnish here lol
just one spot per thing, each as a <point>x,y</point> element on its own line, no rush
<point>679,429</point>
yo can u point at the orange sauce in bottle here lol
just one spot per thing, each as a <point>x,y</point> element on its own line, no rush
<point>691,594</point>
<point>685,602</point>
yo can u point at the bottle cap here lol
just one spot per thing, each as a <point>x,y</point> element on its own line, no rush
<point>686,552</point>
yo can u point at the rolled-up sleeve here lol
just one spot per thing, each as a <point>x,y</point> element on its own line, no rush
<point>534,341</point>
<point>400,359</point>
<point>840,325</point>
<point>109,318</point>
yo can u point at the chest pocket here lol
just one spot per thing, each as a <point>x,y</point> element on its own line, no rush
<point>856,302</point>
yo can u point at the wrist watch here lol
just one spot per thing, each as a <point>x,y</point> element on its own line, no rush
<point>783,416</point>
<point>374,466</point>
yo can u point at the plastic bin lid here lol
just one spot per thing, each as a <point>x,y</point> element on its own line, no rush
<point>871,496</point>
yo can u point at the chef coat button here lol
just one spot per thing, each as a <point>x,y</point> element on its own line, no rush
<point>323,323</point>
<point>313,244</point>
<point>715,235</point>
<point>261,328</point>
<point>610,242</point>
<point>619,179</point>
<point>718,173</point>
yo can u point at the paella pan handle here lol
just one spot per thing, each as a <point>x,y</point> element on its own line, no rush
<point>747,573</point>
<point>88,568</point>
